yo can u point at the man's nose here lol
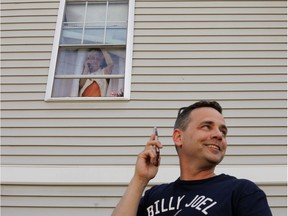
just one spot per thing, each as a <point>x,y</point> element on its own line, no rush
<point>217,134</point>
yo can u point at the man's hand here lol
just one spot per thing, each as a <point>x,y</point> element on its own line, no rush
<point>146,169</point>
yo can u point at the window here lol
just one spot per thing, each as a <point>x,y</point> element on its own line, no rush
<point>92,53</point>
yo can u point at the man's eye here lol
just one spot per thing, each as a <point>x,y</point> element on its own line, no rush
<point>224,132</point>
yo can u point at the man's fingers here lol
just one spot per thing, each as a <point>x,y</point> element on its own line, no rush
<point>150,155</point>
<point>153,142</point>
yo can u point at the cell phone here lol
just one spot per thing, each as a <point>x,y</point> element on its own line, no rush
<point>156,161</point>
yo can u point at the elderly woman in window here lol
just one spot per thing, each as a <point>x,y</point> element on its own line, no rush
<point>95,87</point>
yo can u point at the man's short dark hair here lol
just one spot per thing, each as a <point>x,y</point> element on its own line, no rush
<point>184,112</point>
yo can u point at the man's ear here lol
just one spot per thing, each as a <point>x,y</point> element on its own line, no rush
<point>178,137</point>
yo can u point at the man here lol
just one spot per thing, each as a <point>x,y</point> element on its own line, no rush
<point>200,139</point>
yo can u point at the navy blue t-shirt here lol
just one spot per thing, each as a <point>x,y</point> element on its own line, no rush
<point>221,195</point>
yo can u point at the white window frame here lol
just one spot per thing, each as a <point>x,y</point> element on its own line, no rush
<point>54,56</point>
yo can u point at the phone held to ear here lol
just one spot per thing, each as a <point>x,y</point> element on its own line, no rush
<point>156,161</point>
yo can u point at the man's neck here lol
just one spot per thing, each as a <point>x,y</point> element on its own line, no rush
<point>196,174</point>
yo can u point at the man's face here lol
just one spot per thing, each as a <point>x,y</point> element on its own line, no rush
<point>204,140</point>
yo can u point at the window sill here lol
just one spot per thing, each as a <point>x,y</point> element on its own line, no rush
<point>73,99</point>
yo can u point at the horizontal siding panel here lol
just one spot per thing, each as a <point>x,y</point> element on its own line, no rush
<point>187,94</point>
<point>30,33</point>
<point>210,32</point>
<point>145,70</point>
<point>182,9</point>
<point>28,26</point>
<point>29,12</point>
<point>209,47</point>
<point>29,5</point>
<point>60,201</point>
<point>23,88</point>
<point>48,211</point>
<point>181,78</point>
<point>167,55</point>
<point>34,88</point>
<point>200,79</point>
<point>7,80</point>
<point>12,211</point>
<point>99,190</point>
<point>26,56</point>
<point>75,190</point>
<point>168,149</point>
<point>210,25</point>
<point>83,201</point>
<point>30,1</point>
<point>130,141</point>
<point>211,86</point>
<point>208,18</point>
<point>209,55</point>
<point>279,211</point>
<point>25,48</point>
<point>280,190</point>
<point>213,95</point>
<point>27,40</point>
<point>130,160</point>
<point>29,19</point>
<point>168,86</point>
<point>27,64</point>
<point>135,122</point>
<point>140,95</point>
<point>138,113</point>
<point>101,131</point>
<point>24,72</point>
<point>219,4</point>
<point>207,39</point>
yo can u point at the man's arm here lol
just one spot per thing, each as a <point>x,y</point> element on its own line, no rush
<point>252,201</point>
<point>145,170</point>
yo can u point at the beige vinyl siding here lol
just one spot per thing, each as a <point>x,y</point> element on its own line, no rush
<point>184,51</point>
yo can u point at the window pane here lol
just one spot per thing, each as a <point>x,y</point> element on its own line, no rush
<point>76,61</point>
<point>96,12</point>
<point>71,60</point>
<point>116,35</point>
<point>70,88</point>
<point>95,23</point>
<point>117,17</point>
<point>74,19</point>
<point>117,11</point>
<point>75,12</point>
<point>93,35</point>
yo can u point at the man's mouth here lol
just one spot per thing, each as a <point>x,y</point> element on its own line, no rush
<point>216,147</point>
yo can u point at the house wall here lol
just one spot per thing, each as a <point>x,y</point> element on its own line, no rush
<point>76,158</point>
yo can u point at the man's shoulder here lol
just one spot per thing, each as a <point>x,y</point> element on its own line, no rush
<point>242,185</point>
<point>237,180</point>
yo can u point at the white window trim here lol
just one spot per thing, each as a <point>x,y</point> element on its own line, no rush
<point>128,61</point>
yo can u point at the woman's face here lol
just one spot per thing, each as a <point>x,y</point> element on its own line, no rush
<point>95,60</point>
